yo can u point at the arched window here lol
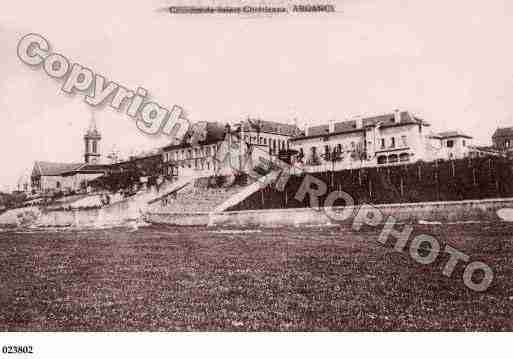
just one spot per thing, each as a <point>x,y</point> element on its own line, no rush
<point>392,159</point>
<point>404,157</point>
<point>382,160</point>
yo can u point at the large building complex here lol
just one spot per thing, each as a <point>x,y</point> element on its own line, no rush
<point>397,137</point>
<point>199,150</point>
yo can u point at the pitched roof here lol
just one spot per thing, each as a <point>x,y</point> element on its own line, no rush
<point>449,134</point>
<point>87,168</point>
<point>202,133</point>
<point>386,120</point>
<point>54,168</point>
<point>503,131</point>
<point>272,127</point>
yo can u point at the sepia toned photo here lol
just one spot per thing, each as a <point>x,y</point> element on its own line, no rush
<point>255,166</point>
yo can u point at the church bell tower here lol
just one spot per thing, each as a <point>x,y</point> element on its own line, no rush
<point>91,140</point>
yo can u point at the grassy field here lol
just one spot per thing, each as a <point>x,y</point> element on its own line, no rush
<point>163,278</point>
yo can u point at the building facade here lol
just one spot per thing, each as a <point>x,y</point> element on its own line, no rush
<point>502,139</point>
<point>199,152</point>
<point>394,138</point>
<point>379,140</point>
<point>48,177</point>
<point>196,153</point>
<point>449,145</point>
<point>271,134</point>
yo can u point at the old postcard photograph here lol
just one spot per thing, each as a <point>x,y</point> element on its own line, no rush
<point>255,166</point>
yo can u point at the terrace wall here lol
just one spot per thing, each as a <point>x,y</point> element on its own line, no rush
<point>456,180</point>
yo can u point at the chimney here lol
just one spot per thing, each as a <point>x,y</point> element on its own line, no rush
<point>331,126</point>
<point>358,122</point>
<point>397,116</point>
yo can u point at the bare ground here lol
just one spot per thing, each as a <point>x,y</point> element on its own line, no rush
<point>165,278</point>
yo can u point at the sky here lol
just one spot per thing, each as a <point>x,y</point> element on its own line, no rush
<point>450,63</point>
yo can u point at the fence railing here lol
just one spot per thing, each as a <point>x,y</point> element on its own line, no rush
<point>470,178</point>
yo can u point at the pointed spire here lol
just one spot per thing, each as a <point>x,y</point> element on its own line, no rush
<point>92,123</point>
<point>92,130</point>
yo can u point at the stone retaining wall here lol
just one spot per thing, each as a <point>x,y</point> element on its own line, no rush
<point>471,210</point>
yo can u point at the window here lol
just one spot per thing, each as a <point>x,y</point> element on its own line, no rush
<point>404,157</point>
<point>450,143</point>
<point>382,160</point>
<point>326,152</point>
<point>392,142</point>
<point>265,141</point>
<point>382,143</point>
<point>339,148</point>
<point>314,158</point>
<point>404,140</point>
<point>463,143</point>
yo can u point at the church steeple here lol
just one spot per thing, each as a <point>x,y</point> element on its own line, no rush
<point>91,140</point>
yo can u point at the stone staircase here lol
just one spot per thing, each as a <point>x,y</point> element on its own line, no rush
<point>193,199</point>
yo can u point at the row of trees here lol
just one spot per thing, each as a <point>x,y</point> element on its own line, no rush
<point>11,200</point>
<point>128,175</point>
